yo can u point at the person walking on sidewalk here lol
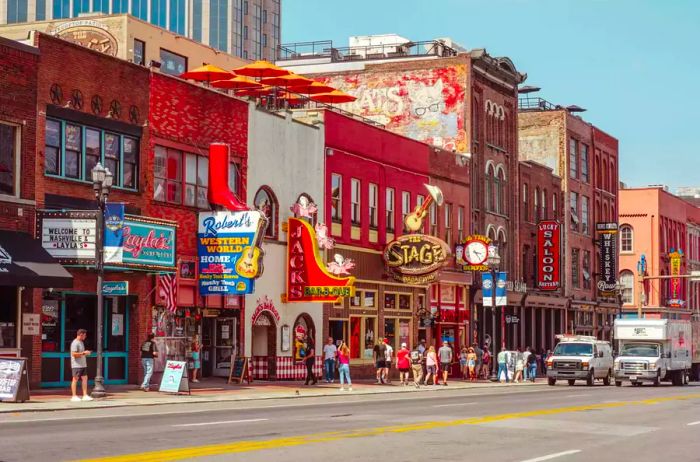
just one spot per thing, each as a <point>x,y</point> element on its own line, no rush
<point>196,360</point>
<point>519,366</point>
<point>78,364</point>
<point>526,370</point>
<point>309,360</point>
<point>403,364</point>
<point>532,366</point>
<point>479,358</point>
<point>344,366</point>
<point>431,366</point>
<point>502,360</point>
<point>463,362</point>
<point>379,357</point>
<point>445,355</point>
<point>486,363</point>
<point>329,356</point>
<point>148,352</point>
<point>388,359</point>
<point>471,364</point>
<point>417,366</point>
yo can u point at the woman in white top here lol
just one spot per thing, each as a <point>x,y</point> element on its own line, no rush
<point>431,365</point>
<point>519,366</point>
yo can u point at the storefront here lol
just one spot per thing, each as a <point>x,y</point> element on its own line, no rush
<point>507,321</point>
<point>542,318</point>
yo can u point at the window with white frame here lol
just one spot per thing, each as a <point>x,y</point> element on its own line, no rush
<point>447,210</point>
<point>390,204</point>
<point>355,201</point>
<point>460,224</point>
<point>626,238</point>
<point>336,197</point>
<point>585,225</point>
<point>526,210</point>
<point>573,204</point>
<point>573,158</point>
<point>9,159</point>
<point>373,198</point>
<point>405,206</point>
<point>433,219</point>
<point>536,209</point>
<point>181,177</point>
<point>627,283</point>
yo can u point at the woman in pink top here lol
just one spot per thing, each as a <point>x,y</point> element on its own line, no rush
<point>344,366</point>
<point>431,366</point>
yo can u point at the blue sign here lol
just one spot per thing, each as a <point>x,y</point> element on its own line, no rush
<point>113,233</point>
<point>229,259</point>
<point>115,288</point>
<point>501,290</point>
<point>149,243</point>
<point>172,376</point>
<point>487,289</point>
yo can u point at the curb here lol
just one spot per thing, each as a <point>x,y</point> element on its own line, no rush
<point>234,398</point>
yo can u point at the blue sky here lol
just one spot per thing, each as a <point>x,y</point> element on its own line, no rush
<point>633,64</point>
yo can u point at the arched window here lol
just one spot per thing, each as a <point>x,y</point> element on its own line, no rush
<point>536,210</point>
<point>266,202</point>
<point>598,173</point>
<point>543,205</point>
<point>612,177</point>
<point>627,283</point>
<point>526,208</point>
<point>554,206</point>
<point>604,183</point>
<point>488,187</point>
<point>491,233</point>
<point>626,236</point>
<point>501,189</point>
<point>501,243</point>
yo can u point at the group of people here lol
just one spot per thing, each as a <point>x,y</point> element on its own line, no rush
<point>520,365</point>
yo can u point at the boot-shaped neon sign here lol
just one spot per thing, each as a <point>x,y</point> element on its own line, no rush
<point>219,192</point>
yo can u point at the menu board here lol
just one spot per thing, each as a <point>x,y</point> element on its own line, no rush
<point>14,385</point>
<point>175,377</point>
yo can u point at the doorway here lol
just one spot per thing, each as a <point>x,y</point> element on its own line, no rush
<point>264,343</point>
<point>224,345</point>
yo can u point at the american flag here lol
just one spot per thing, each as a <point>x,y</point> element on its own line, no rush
<point>168,291</point>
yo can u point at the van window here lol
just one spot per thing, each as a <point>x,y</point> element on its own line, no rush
<point>573,349</point>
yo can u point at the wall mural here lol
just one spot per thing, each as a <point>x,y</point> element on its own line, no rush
<point>423,104</point>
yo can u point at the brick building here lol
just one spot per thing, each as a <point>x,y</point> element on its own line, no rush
<point>586,159</point>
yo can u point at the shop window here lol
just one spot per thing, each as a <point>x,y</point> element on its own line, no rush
<point>627,283</point>
<point>363,335</point>
<point>390,301</point>
<point>397,331</point>
<point>50,326</point>
<point>266,202</point>
<point>8,317</point>
<point>390,331</point>
<point>364,299</point>
<point>405,301</point>
<point>338,330</point>
<point>336,197</point>
<point>72,150</point>
<point>80,313</point>
<point>9,159</point>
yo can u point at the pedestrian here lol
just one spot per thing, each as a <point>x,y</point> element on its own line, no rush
<point>463,362</point>
<point>329,357</point>
<point>486,362</point>
<point>532,365</point>
<point>388,359</point>
<point>422,348</point>
<point>148,352</point>
<point>196,360</point>
<point>431,366</point>
<point>479,358</point>
<point>417,366</point>
<point>471,364</point>
<point>526,356</point>
<point>502,360</point>
<point>310,360</point>
<point>403,364</point>
<point>445,355</point>
<point>344,366</point>
<point>78,364</point>
<point>379,357</point>
<point>519,366</point>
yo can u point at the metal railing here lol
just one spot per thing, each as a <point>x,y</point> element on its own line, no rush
<point>325,49</point>
<point>536,104</point>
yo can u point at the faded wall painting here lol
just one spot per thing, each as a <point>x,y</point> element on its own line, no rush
<point>423,104</point>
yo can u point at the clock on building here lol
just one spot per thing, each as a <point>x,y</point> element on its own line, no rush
<point>476,252</point>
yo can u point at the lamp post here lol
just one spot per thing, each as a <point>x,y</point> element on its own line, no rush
<point>101,184</point>
<point>493,261</point>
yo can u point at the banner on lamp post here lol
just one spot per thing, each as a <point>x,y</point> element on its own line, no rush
<point>501,289</point>
<point>487,289</point>
<point>114,233</point>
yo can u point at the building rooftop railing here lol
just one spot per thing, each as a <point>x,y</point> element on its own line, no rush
<point>534,103</point>
<point>325,49</point>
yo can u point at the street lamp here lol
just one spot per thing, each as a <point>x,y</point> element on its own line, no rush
<point>493,261</point>
<point>101,184</point>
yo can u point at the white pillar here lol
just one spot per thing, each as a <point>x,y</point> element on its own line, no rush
<point>31,10</point>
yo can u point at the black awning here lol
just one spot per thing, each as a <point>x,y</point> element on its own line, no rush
<point>24,262</point>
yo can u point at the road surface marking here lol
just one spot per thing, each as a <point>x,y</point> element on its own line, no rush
<point>565,426</point>
<point>577,396</point>
<point>694,423</point>
<point>201,424</point>
<point>451,405</point>
<point>553,456</point>
<point>245,446</point>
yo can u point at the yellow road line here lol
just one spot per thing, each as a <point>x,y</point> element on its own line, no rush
<point>291,441</point>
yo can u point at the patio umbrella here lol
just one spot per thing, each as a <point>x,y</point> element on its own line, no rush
<point>238,81</point>
<point>262,91</point>
<point>312,88</point>
<point>260,69</point>
<point>289,80</point>
<point>291,98</point>
<point>207,73</point>
<point>333,97</point>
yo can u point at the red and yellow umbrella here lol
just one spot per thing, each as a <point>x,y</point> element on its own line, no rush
<point>333,97</point>
<point>262,91</point>
<point>260,69</point>
<point>207,73</point>
<point>289,80</point>
<point>311,88</point>
<point>238,81</point>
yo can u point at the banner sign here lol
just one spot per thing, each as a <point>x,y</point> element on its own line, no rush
<point>487,288</point>
<point>501,289</point>
<point>149,243</point>
<point>14,384</point>
<point>472,254</point>
<point>608,258</point>
<point>115,288</point>
<point>415,258</point>
<point>69,237</point>
<point>173,375</point>
<point>308,279</point>
<point>548,255</point>
<point>675,258</point>
<point>229,258</point>
<point>114,233</point>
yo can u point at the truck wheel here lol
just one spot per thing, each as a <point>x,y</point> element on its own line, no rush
<point>590,378</point>
<point>551,382</point>
<point>686,378</point>
<point>606,379</point>
<point>571,382</point>
<point>657,380</point>
<point>618,383</point>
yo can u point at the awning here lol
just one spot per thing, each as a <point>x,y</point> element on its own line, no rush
<point>544,301</point>
<point>24,262</point>
<point>514,298</point>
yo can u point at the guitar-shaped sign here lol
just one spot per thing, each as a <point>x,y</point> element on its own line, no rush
<point>414,220</point>
<point>250,264</point>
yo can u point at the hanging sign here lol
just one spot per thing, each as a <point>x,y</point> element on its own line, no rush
<point>265,305</point>
<point>229,256</point>
<point>70,237</point>
<point>113,248</point>
<point>608,261</point>
<point>308,279</point>
<point>487,288</point>
<point>115,288</point>
<point>675,258</point>
<point>149,243</point>
<point>472,254</point>
<point>548,255</point>
<point>415,258</point>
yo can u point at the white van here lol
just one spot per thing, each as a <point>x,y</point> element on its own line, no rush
<point>579,357</point>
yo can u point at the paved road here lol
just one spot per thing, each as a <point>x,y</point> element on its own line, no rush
<point>510,424</point>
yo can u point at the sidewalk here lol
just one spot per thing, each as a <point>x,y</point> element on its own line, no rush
<point>217,390</point>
